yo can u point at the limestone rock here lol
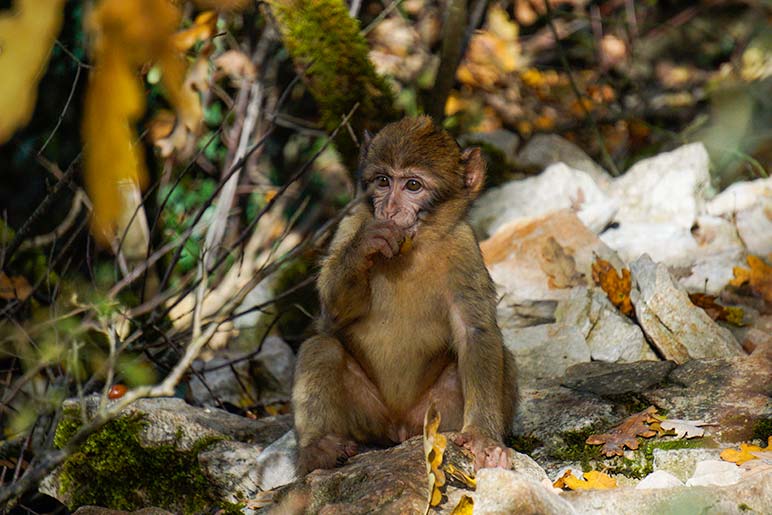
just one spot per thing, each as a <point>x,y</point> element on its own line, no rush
<point>558,187</point>
<point>616,378</point>
<point>753,495</point>
<point>276,464</point>
<point>678,328</point>
<point>667,188</point>
<point>543,259</point>
<point>681,463</point>
<point>505,491</point>
<point>658,479</point>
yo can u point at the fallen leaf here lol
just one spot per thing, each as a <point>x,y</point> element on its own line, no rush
<point>460,476</point>
<point>616,286</point>
<point>465,506</point>
<point>236,64</point>
<point>745,453</point>
<point>559,266</point>
<point>625,434</point>
<point>684,428</point>
<point>14,288</point>
<point>731,314</point>
<point>758,276</point>
<point>493,51</point>
<point>592,480</point>
<point>27,33</point>
<point>434,448</point>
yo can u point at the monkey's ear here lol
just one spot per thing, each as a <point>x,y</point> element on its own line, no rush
<point>474,170</point>
<point>367,138</point>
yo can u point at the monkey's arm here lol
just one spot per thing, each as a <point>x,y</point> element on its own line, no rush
<point>478,344</point>
<point>344,289</point>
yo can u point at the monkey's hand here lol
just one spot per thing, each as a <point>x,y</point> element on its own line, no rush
<point>379,237</point>
<point>488,453</point>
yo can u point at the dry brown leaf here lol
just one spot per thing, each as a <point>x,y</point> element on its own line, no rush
<point>733,315</point>
<point>759,276</point>
<point>14,288</point>
<point>27,33</point>
<point>625,434</point>
<point>559,266</point>
<point>684,428</point>
<point>616,286</point>
<point>465,506</point>
<point>745,452</point>
<point>592,480</point>
<point>236,64</point>
<point>434,448</point>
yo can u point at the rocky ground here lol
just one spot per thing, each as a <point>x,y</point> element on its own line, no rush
<point>592,349</point>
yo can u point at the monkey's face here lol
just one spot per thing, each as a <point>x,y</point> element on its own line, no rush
<point>400,196</point>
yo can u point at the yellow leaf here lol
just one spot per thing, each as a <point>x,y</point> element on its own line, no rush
<point>434,448</point>
<point>744,454</point>
<point>27,33</point>
<point>204,27</point>
<point>460,476</point>
<point>592,480</point>
<point>465,506</point>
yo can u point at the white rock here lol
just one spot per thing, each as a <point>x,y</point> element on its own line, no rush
<point>667,243</point>
<point>755,227</point>
<point>715,473</point>
<point>739,196</point>
<point>682,462</point>
<point>659,479</point>
<point>669,188</point>
<point>275,466</point>
<point>558,187</point>
<point>506,491</point>
<point>546,351</point>
<point>678,328</point>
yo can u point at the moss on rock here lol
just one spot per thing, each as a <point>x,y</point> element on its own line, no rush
<point>112,469</point>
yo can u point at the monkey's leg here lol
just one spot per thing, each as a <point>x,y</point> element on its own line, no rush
<point>447,397</point>
<point>335,405</point>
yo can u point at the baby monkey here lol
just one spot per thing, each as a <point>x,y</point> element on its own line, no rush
<point>408,311</point>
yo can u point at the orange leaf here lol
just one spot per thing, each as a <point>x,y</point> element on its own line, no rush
<point>759,276</point>
<point>625,434</point>
<point>14,288</point>
<point>744,454</point>
<point>733,315</point>
<point>616,286</point>
<point>204,27</point>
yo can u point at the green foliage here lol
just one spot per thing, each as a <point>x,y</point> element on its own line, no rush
<point>182,201</point>
<point>325,41</point>
<point>113,470</point>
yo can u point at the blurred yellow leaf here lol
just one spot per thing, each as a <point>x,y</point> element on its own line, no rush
<point>465,506</point>
<point>434,448</point>
<point>493,52</point>
<point>592,480</point>
<point>204,27</point>
<point>744,454</point>
<point>128,35</point>
<point>27,33</point>
<point>223,5</point>
<point>236,64</point>
<point>758,276</point>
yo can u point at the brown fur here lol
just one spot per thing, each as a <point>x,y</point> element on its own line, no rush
<point>401,332</point>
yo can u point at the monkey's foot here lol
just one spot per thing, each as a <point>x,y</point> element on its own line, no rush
<point>488,453</point>
<point>327,452</point>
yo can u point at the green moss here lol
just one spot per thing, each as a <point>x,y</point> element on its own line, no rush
<point>524,443</point>
<point>575,449</point>
<point>762,429</point>
<point>744,507</point>
<point>113,470</point>
<point>325,42</point>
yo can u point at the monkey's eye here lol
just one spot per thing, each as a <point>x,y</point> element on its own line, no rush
<point>382,181</point>
<point>413,185</point>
